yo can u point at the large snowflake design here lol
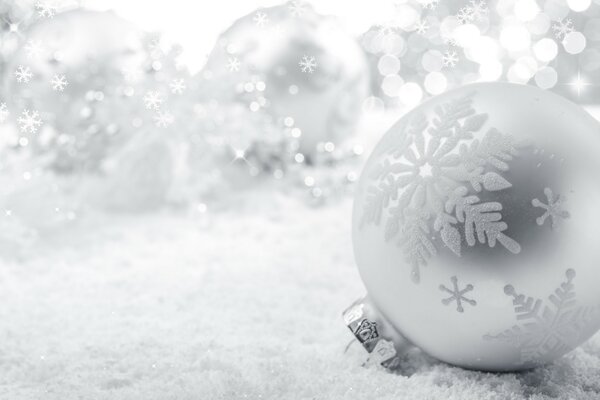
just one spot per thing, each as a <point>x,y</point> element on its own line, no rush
<point>308,64</point>
<point>29,121</point>
<point>59,82</point>
<point>562,28</point>
<point>3,112</point>
<point>457,295</point>
<point>23,74</point>
<point>429,179</point>
<point>545,328</point>
<point>553,209</point>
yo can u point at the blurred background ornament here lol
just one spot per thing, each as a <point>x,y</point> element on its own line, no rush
<point>474,225</point>
<point>296,66</point>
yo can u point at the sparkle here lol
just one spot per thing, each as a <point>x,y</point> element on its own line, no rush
<point>579,84</point>
<point>8,213</point>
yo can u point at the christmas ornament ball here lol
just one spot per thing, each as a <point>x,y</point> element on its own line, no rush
<point>295,65</point>
<point>474,230</point>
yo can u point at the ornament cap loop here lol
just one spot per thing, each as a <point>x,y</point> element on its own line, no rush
<point>381,340</point>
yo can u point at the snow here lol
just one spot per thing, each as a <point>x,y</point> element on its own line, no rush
<point>242,302</point>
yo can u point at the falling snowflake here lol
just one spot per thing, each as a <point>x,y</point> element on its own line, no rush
<point>260,19</point>
<point>153,100</point>
<point>297,8</point>
<point>33,48</point>
<point>479,9</point>
<point>450,58</point>
<point>29,121</point>
<point>554,208</point>
<point>163,119</point>
<point>233,64</point>
<point>308,64</point>
<point>59,82</point>
<point>457,295</point>
<point>429,4</point>
<point>386,29</point>
<point>422,27</point>
<point>3,112</point>
<point>428,182</point>
<point>132,74</point>
<point>562,28</point>
<point>177,86</point>
<point>23,74</point>
<point>465,15</point>
<point>545,329</point>
<point>46,9</point>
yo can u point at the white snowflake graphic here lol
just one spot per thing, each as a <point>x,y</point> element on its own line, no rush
<point>132,74</point>
<point>429,4</point>
<point>479,9</point>
<point>233,64</point>
<point>308,64</point>
<point>46,9</point>
<point>29,121</point>
<point>545,328</point>
<point>153,100</point>
<point>59,82</point>
<point>386,29</point>
<point>4,113</point>
<point>297,8</point>
<point>430,179</point>
<point>457,295</point>
<point>23,74</point>
<point>553,209</point>
<point>177,86</point>
<point>562,28</point>
<point>33,48</point>
<point>450,58</point>
<point>465,15</point>
<point>422,27</point>
<point>260,19</point>
<point>163,119</point>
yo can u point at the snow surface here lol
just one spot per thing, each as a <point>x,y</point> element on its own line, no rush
<point>227,305</point>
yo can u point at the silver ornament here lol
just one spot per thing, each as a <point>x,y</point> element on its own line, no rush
<point>475,222</point>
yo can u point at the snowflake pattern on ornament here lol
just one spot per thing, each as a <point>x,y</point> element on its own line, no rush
<point>23,74</point>
<point>260,19</point>
<point>153,100</point>
<point>457,295</point>
<point>29,121</point>
<point>553,209</point>
<point>46,9</point>
<point>59,82</point>
<point>428,181</point>
<point>308,64</point>
<point>545,328</point>
<point>4,113</point>
<point>562,28</point>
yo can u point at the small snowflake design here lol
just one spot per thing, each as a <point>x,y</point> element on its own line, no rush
<point>429,4</point>
<point>4,113</point>
<point>479,9</point>
<point>429,181</point>
<point>177,86</point>
<point>23,74</point>
<point>153,100</point>
<point>562,28</point>
<point>46,9</point>
<point>457,295</point>
<point>297,8</point>
<point>233,64</point>
<point>33,48</point>
<point>260,19</point>
<point>450,59</point>
<point>422,27</point>
<point>545,328</point>
<point>308,64</point>
<point>465,15</point>
<point>59,82</point>
<point>162,119</point>
<point>29,121</point>
<point>553,209</point>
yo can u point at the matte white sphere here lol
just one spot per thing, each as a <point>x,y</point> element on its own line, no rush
<point>475,226</point>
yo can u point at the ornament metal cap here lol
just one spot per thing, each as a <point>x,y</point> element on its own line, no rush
<point>381,340</point>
